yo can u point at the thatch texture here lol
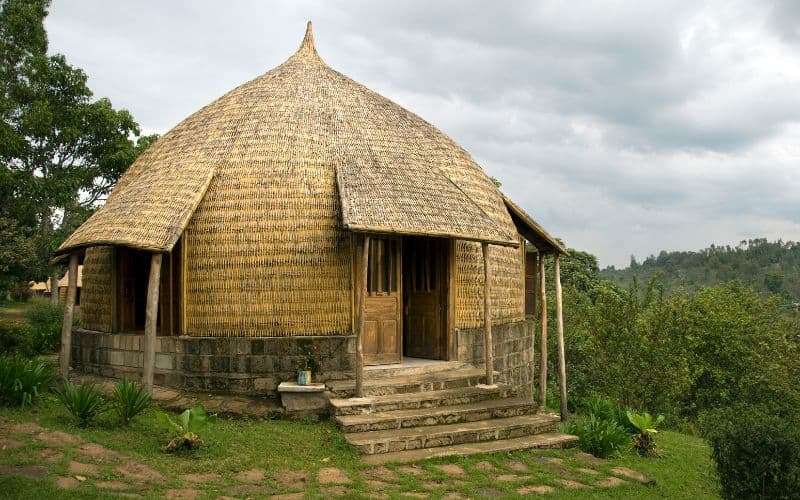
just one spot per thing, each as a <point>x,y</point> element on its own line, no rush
<point>532,230</point>
<point>266,180</point>
<point>98,288</point>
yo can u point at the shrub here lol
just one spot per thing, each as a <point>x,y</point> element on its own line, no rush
<point>598,436</point>
<point>21,379</point>
<point>15,338</point>
<point>757,452</point>
<point>184,431</point>
<point>646,427</point>
<point>128,400</point>
<point>84,401</point>
<point>45,320</point>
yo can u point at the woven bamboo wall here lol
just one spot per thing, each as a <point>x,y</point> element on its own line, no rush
<point>506,288</point>
<point>97,291</point>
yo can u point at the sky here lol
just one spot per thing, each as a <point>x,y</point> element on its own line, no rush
<point>624,128</point>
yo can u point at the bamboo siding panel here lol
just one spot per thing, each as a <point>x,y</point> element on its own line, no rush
<point>98,289</point>
<point>506,287</point>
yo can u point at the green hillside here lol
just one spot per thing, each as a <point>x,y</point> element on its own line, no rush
<point>767,267</point>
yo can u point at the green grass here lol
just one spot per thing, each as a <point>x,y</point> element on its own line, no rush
<point>15,311</point>
<point>685,469</point>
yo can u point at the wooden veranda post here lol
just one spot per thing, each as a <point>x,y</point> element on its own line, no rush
<point>151,317</point>
<point>362,294</point>
<point>543,341</point>
<point>562,362</point>
<point>487,317</point>
<point>69,307</point>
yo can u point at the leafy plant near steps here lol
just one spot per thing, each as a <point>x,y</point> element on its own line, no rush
<point>186,428</point>
<point>646,428</point>
<point>22,379</point>
<point>84,401</point>
<point>128,400</point>
<point>599,436</point>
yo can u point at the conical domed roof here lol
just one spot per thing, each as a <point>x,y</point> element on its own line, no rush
<point>300,140</point>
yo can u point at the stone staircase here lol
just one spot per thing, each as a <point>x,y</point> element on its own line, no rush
<point>418,412</point>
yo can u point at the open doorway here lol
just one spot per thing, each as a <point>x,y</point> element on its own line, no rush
<point>425,301</point>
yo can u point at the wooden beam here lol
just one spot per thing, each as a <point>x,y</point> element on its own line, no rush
<point>487,316</point>
<point>151,317</point>
<point>543,342</point>
<point>69,307</point>
<point>562,361</point>
<point>362,287</point>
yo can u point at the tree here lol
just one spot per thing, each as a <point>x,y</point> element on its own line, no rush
<point>61,151</point>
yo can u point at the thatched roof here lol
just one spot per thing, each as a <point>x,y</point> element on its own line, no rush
<point>532,231</point>
<point>391,171</point>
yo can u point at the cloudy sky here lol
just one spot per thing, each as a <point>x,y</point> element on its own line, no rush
<point>623,127</point>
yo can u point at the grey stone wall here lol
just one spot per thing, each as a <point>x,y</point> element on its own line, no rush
<point>253,366</point>
<point>513,349</point>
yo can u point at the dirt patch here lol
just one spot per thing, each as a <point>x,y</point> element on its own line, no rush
<point>67,483</point>
<point>98,451</point>
<point>381,473</point>
<point>332,475</point>
<point>610,482</point>
<point>28,471</point>
<point>375,485</point>
<point>336,491</point>
<point>508,478</point>
<point>51,455</point>
<point>539,490</point>
<point>250,476</point>
<point>517,466</point>
<point>452,495</point>
<point>292,479</point>
<point>246,490</point>
<point>451,469</point>
<point>200,477</point>
<point>138,470</point>
<point>484,466</point>
<point>182,494</point>
<point>489,492</point>
<point>9,443</point>
<point>570,484</point>
<point>632,474</point>
<point>414,470</point>
<point>288,496</point>
<point>29,428</point>
<point>81,468</point>
<point>591,472</point>
<point>587,457</point>
<point>416,495</point>
<point>57,438</point>
<point>112,485</point>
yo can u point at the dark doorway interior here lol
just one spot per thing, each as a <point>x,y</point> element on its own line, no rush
<point>425,297</point>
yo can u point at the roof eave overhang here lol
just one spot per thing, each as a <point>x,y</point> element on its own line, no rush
<point>532,231</point>
<point>356,228</point>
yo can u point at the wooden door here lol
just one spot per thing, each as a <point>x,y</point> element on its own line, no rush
<point>424,283</point>
<point>382,320</point>
<point>133,268</point>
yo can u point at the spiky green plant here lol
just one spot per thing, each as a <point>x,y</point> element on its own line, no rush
<point>84,401</point>
<point>22,379</point>
<point>128,400</point>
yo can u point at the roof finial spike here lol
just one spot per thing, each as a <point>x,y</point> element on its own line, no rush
<point>308,41</point>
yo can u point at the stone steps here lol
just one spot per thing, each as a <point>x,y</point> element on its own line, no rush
<point>470,412</point>
<point>547,440</point>
<point>375,442</point>
<point>416,381</point>
<point>409,401</point>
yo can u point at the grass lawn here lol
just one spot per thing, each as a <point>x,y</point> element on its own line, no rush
<point>15,311</point>
<point>257,459</point>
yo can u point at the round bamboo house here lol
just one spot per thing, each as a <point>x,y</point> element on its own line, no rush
<point>302,209</point>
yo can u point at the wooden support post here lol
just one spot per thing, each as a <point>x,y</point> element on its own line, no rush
<point>543,342</point>
<point>562,361</point>
<point>487,317</point>
<point>362,294</point>
<point>151,317</point>
<point>69,307</point>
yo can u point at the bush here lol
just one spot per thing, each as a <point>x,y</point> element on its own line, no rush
<point>128,400</point>
<point>21,379</point>
<point>84,401</point>
<point>757,452</point>
<point>599,436</point>
<point>15,338</point>
<point>45,320</point>
<point>184,431</point>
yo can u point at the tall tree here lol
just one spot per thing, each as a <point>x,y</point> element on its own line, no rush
<point>61,151</point>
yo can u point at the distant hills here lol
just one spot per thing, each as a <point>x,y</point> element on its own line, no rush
<point>767,267</point>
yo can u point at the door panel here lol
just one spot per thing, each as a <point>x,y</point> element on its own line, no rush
<point>424,297</point>
<point>381,337</point>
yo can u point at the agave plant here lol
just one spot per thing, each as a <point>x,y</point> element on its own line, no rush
<point>646,427</point>
<point>186,428</point>
<point>128,400</point>
<point>84,401</point>
<point>22,379</point>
